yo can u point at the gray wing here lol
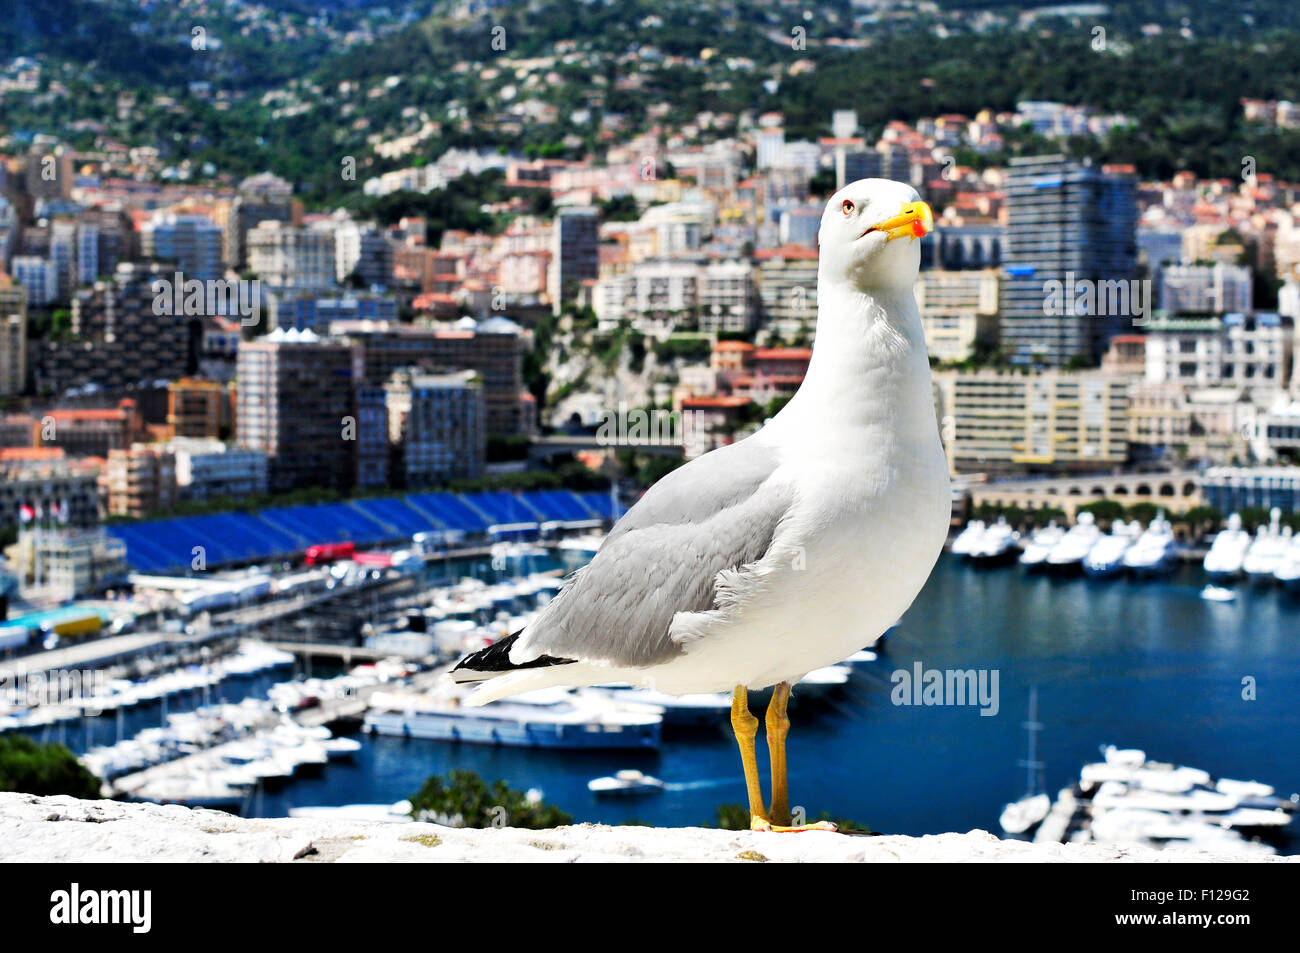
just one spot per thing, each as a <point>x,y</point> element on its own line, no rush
<point>718,512</point>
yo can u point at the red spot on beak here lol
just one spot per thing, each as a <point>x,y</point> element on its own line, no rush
<point>918,229</point>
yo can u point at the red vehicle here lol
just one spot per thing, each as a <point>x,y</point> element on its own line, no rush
<point>323,553</point>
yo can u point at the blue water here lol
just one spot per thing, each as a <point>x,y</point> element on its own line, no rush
<point>1138,664</point>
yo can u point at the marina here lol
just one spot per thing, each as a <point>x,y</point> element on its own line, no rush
<point>254,740</point>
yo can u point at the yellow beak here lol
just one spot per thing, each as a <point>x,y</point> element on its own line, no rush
<point>914,221</point>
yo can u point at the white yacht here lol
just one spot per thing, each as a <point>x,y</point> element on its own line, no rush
<point>548,718</point>
<point>1107,557</point>
<point>1041,543</point>
<point>704,709</point>
<point>998,544</point>
<point>1213,593</point>
<point>1154,552</point>
<point>1268,548</point>
<point>625,783</point>
<point>1228,551</point>
<point>1068,555</point>
<point>822,681</point>
<point>1288,569</point>
<point>966,541</point>
<point>1127,799</point>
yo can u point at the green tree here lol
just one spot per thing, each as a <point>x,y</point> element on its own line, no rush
<point>43,769</point>
<point>1105,511</point>
<point>1143,512</point>
<point>464,799</point>
<point>1045,514</point>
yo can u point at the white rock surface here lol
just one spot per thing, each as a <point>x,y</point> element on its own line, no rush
<point>60,829</point>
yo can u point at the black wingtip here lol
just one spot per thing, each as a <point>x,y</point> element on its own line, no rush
<point>495,660</point>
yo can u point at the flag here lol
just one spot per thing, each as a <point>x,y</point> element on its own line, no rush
<point>26,513</point>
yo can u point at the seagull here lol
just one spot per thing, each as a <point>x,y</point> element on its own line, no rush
<point>786,551</point>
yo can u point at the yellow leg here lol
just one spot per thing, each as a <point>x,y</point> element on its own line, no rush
<point>778,727</point>
<point>745,726</point>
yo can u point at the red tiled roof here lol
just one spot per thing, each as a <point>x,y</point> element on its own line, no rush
<point>787,251</point>
<point>721,403</point>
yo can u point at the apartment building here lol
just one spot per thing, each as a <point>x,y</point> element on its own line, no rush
<point>1052,422</point>
<point>787,288</point>
<point>436,426</point>
<point>13,339</point>
<point>494,348</point>
<point>958,311</point>
<point>1066,221</point>
<point>138,480</point>
<point>1241,350</point>
<point>208,469</point>
<point>296,399</point>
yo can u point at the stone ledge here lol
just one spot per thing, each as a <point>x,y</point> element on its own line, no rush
<point>64,829</point>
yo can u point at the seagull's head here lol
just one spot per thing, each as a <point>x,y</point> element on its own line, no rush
<point>869,231</point>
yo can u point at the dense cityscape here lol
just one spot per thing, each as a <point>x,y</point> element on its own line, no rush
<point>346,365</point>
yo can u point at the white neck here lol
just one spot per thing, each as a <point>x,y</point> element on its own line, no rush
<point>870,373</point>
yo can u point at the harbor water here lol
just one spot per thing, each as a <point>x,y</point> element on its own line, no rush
<point>1146,664</point>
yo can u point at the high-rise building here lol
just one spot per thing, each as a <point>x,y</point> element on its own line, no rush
<point>575,254</point>
<point>190,243</point>
<point>120,338</point>
<point>435,424</point>
<point>261,198</point>
<point>13,338</point>
<point>87,268</point>
<point>494,349</point>
<point>38,276</point>
<point>1066,221</point>
<point>372,451</point>
<point>114,238</point>
<point>297,404</point>
<point>63,255</point>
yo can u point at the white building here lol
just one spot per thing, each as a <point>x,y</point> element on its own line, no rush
<point>1198,289</point>
<point>210,470</point>
<point>958,309</point>
<point>658,295</point>
<point>284,256</point>
<point>67,563</point>
<point>1251,351</point>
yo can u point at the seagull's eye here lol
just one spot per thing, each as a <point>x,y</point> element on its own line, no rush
<point>847,207</point>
